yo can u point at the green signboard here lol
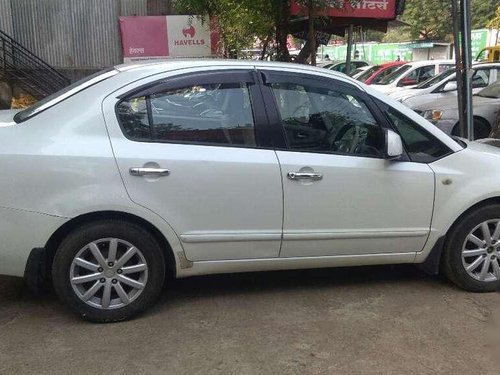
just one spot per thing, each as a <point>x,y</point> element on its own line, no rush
<point>378,53</point>
<point>374,53</point>
<point>479,40</point>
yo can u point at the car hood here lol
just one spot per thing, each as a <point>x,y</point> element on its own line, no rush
<point>383,88</point>
<point>406,93</point>
<point>452,103</point>
<point>7,117</point>
<point>485,146</point>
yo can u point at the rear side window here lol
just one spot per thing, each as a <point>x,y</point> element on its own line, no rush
<point>218,113</point>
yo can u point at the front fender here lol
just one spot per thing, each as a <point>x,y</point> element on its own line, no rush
<point>463,180</point>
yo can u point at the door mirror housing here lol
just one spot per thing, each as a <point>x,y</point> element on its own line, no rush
<point>393,145</point>
<point>450,86</point>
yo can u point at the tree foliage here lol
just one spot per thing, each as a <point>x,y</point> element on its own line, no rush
<point>431,19</point>
<point>428,19</point>
<point>494,22</point>
<point>482,12</point>
<point>241,22</point>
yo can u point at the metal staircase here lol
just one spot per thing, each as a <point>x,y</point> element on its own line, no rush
<point>20,67</point>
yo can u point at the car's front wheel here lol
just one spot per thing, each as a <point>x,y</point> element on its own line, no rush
<point>471,256</point>
<point>108,270</point>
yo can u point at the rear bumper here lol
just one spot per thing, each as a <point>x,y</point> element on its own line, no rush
<point>20,232</point>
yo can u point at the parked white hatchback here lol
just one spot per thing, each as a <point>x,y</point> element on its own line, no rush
<point>200,167</point>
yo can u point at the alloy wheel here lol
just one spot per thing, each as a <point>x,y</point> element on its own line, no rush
<point>108,273</point>
<point>481,251</point>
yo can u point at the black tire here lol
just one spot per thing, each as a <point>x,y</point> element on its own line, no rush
<point>481,129</point>
<point>132,233</point>
<point>451,262</point>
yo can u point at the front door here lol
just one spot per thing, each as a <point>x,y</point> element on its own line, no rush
<point>341,197</point>
<point>187,149</point>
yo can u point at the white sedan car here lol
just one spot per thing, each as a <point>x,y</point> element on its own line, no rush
<point>411,74</point>
<point>444,85</point>
<point>201,167</point>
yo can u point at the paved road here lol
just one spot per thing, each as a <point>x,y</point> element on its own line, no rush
<point>382,320</point>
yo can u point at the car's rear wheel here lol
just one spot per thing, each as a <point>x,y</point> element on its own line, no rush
<point>472,252</point>
<point>108,270</point>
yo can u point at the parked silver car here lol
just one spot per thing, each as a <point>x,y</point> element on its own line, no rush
<point>445,85</point>
<point>444,112</point>
<point>197,167</point>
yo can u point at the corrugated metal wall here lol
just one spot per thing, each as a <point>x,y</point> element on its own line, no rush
<point>81,34</point>
<point>133,8</point>
<point>6,16</point>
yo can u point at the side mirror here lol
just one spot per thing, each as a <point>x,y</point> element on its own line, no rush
<point>450,86</point>
<point>393,145</point>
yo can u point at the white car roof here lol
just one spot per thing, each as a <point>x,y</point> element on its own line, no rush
<point>429,62</point>
<point>171,64</point>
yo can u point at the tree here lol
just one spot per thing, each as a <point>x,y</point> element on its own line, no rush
<point>397,35</point>
<point>241,22</point>
<point>494,23</point>
<point>482,12</point>
<point>428,19</point>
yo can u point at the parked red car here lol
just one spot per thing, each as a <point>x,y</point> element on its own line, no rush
<point>378,72</point>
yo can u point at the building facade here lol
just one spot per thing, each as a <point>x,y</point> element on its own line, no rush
<point>74,36</point>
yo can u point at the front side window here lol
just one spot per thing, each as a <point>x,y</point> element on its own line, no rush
<point>445,67</point>
<point>419,75</point>
<point>436,79</point>
<point>321,119</point>
<point>218,113</point>
<point>421,146</point>
<point>481,78</point>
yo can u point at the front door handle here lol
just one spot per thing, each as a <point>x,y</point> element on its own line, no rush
<point>157,172</point>
<point>315,176</point>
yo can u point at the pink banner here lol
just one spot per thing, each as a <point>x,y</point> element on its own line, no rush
<point>153,37</point>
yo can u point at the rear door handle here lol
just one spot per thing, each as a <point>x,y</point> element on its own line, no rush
<point>315,176</point>
<point>158,172</point>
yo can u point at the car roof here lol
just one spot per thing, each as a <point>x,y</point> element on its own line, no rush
<point>430,62</point>
<point>165,65</point>
<point>392,63</point>
<point>485,63</point>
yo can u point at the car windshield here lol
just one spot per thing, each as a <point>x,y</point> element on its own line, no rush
<point>492,91</point>
<point>63,94</point>
<point>367,73</point>
<point>436,79</point>
<point>394,75</point>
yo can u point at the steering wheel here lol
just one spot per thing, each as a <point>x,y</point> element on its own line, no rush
<point>357,145</point>
<point>338,137</point>
<point>294,114</point>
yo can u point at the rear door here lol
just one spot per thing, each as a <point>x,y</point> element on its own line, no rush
<point>194,150</point>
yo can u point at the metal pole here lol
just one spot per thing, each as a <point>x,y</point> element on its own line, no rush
<point>466,20</point>
<point>349,49</point>
<point>455,9</point>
